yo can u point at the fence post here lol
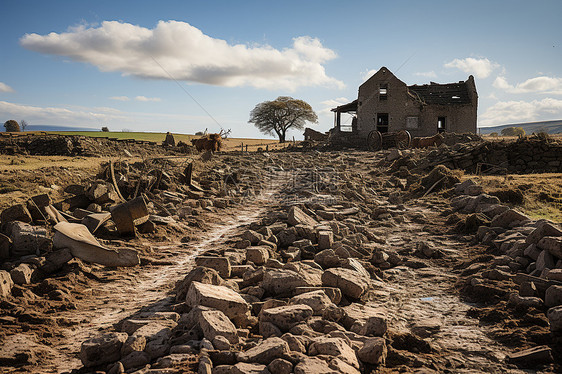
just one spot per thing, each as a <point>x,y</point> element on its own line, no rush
<point>242,147</point>
<point>246,148</point>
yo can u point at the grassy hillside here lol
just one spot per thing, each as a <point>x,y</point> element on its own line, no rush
<point>551,127</point>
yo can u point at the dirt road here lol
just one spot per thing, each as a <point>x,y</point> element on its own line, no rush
<point>427,318</point>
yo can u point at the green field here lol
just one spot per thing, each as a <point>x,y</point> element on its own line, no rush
<point>147,136</point>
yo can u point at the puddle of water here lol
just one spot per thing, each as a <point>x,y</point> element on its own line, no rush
<point>427,298</point>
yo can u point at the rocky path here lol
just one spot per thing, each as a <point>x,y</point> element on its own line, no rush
<point>147,290</point>
<point>335,275</point>
<point>421,298</point>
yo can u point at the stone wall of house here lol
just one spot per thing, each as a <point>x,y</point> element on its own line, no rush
<point>400,105</point>
<point>459,119</point>
<point>396,105</point>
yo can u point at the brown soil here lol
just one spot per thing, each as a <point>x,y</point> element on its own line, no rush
<point>466,330</point>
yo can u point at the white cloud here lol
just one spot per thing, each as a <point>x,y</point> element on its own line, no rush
<point>479,67</point>
<point>144,98</point>
<point>427,74</point>
<point>330,104</point>
<point>120,98</point>
<point>94,117</point>
<point>5,88</point>
<point>542,84</point>
<point>368,74</point>
<point>505,112</point>
<point>179,50</point>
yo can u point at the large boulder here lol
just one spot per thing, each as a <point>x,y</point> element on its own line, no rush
<point>280,366</point>
<point>553,296</point>
<point>350,282</point>
<point>544,228</point>
<point>552,244</point>
<point>199,274</point>
<point>17,212</point>
<point>325,239</point>
<point>27,239</point>
<point>555,318</point>
<point>373,351</point>
<point>103,349</point>
<point>6,284</point>
<point>215,323</point>
<point>283,281</point>
<point>257,255</point>
<point>220,264</point>
<point>364,320</point>
<point>266,351</point>
<point>217,297</point>
<point>56,260</point>
<point>21,274</point>
<point>285,317</point>
<point>327,259</point>
<point>337,347</point>
<point>508,218</point>
<point>297,217</point>
<point>313,365</point>
<point>252,236</point>
<point>317,300</point>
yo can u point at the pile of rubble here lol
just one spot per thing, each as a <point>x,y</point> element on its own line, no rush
<point>39,237</point>
<point>525,271</point>
<point>524,156</point>
<point>288,296</point>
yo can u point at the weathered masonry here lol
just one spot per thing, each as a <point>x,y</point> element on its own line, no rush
<point>387,104</point>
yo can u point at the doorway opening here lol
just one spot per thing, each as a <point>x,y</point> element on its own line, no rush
<point>382,122</point>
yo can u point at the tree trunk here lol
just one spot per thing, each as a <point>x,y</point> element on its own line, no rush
<point>281,137</point>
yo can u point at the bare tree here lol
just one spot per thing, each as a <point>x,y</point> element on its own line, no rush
<point>23,124</point>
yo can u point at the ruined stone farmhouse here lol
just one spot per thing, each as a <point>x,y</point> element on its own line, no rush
<point>387,104</point>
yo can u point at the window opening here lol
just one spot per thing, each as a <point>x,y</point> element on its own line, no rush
<point>441,124</point>
<point>383,91</point>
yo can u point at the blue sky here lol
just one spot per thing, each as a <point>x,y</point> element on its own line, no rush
<point>184,66</point>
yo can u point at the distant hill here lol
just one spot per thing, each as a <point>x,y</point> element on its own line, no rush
<point>551,127</point>
<point>58,128</point>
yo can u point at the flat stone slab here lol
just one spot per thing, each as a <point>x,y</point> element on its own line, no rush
<point>287,316</point>
<point>298,217</point>
<point>531,356</point>
<point>102,349</point>
<point>217,297</point>
<point>282,281</point>
<point>220,264</point>
<point>215,323</point>
<point>350,282</point>
<point>265,352</point>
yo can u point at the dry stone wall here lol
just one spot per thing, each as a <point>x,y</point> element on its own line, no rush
<point>69,145</point>
<point>525,156</point>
